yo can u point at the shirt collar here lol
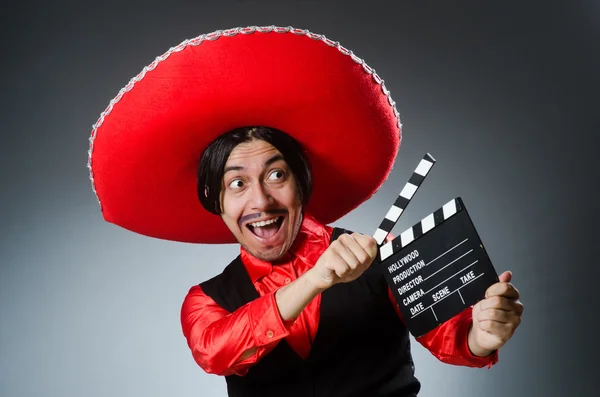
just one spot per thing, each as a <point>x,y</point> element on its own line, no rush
<point>312,239</point>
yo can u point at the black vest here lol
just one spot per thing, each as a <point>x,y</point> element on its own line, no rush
<point>361,348</point>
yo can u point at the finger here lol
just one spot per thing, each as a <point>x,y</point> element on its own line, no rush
<point>360,248</point>
<point>501,316</point>
<point>347,254</point>
<point>496,328</point>
<point>367,243</point>
<point>506,290</point>
<point>501,303</point>
<point>351,244</point>
<point>340,266</point>
<point>476,308</point>
<point>505,277</point>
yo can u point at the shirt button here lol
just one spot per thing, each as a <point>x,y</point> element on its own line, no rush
<point>269,334</point>
<point>288,280</point>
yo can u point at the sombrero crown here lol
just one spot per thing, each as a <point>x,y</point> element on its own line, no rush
<point>146,146</point>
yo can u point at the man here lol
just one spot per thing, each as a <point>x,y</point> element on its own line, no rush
<point>304,309</point>
<point>259,189</point>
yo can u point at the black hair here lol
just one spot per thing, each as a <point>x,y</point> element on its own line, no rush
<point>212,163</point>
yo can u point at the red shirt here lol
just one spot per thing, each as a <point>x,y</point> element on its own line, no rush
<point>218,338</point>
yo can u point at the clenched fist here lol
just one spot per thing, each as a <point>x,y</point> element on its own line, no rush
<point>496,317</point>
<point>344,260</point>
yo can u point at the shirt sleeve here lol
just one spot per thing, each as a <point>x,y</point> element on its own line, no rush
<point>449,341</point>
<point>218,339</point>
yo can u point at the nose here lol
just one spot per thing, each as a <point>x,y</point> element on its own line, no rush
<point>260,198</point>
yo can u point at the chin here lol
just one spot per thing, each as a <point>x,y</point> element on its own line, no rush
<point>269,257</point>
<point>266,255</point>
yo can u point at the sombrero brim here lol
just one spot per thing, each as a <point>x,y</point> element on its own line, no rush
<point>146,146</point>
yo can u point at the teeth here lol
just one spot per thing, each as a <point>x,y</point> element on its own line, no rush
<point>264,223</point>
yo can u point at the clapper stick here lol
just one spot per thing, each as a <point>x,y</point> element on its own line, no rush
<point>407,193</point>
<point>426,224</point>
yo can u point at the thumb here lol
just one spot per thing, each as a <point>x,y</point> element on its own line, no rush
<point>505,277</point>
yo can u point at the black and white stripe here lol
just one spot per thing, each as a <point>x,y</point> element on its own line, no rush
<point>403,199</point>
<point>426,224</point>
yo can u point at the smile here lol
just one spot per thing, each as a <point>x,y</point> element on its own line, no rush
<point>266,229</point>
<point>264,223</point>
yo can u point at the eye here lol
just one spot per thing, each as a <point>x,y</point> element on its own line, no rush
<point>276,175</point>
<point>236,184</point>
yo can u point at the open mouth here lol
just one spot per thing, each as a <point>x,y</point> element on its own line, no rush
<point>267,228</point>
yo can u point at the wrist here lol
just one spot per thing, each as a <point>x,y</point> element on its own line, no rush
<point>314,281</point>
<point>474,347</point>
<point>293,298</point>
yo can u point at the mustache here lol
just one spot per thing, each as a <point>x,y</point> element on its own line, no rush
<point>250,217</point>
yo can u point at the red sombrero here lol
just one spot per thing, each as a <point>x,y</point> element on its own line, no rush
<point>146,146</point>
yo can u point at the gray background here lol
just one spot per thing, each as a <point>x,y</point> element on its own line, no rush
<point>503,94</point>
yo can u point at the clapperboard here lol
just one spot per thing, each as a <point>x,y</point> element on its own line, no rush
<point>438,267</point>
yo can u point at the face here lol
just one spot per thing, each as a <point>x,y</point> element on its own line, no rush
<point>260,201</point>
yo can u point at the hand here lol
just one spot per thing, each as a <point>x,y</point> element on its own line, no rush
<point>344,260</point>
<point>496,317</point>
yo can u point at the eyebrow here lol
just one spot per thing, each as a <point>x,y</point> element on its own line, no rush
<point>270,161</point>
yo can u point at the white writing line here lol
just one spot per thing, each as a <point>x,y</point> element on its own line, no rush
<point>436,319</point>
<point>452,275</point>
<point>433,304</point>
<point>461,298</point>
<point>431,275</point>
<point>446,252</point>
